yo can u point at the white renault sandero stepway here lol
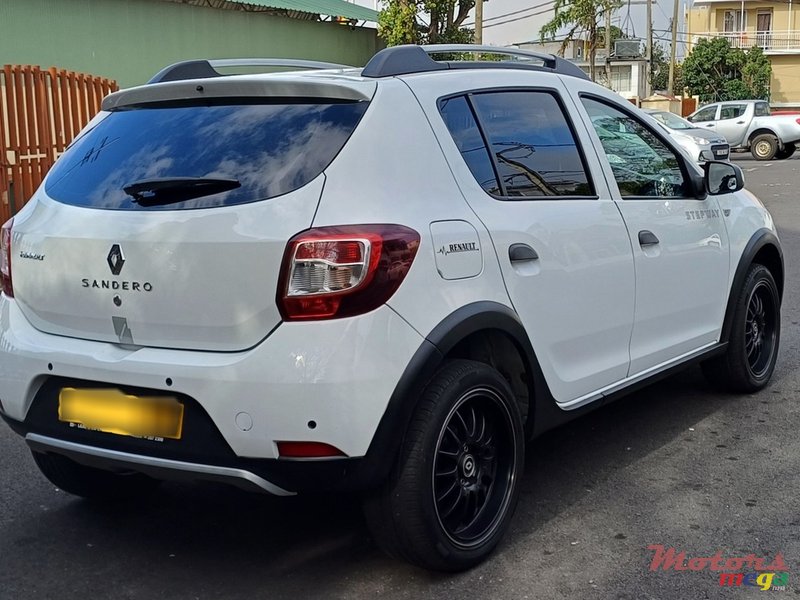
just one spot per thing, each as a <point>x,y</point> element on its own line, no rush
<point>384,279</point>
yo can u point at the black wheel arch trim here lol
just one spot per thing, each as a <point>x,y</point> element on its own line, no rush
<point>759,240</point>
<point>469,319</point>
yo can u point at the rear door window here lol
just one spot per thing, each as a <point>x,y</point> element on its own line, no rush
<point>460,121</point>
<point>732,111</point>
<point>518,143</point>
<point>533,144</point>
<point>762,109</point>
<point>269,149</point>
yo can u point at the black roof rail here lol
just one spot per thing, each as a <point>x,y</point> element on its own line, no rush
<point>203,69</point>
<point>407,59</point>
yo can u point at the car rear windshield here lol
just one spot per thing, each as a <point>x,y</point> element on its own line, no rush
<point>268,149</point>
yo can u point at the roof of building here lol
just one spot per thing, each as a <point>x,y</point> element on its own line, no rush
<point>333,8</point>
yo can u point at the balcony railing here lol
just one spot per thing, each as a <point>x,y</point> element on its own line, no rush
<point>769,41</point>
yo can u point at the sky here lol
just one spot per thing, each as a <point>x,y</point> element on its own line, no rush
<point>502,28</point>
<point>524,26</point>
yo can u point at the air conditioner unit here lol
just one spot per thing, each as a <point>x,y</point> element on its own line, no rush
<point>628,48</point>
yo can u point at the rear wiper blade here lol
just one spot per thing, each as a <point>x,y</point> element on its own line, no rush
<point>168,190</point>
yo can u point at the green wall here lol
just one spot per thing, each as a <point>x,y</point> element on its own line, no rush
<point>131,40</point>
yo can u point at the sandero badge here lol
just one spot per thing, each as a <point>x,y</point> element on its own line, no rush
<point>115,259</point>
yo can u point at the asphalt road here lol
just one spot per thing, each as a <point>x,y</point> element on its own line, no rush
<point>675,464</point>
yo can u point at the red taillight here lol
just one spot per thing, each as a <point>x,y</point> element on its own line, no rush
<point>5,259</point>
<point>332,272</point>
<point>798,121</point>
<point>307,450</point>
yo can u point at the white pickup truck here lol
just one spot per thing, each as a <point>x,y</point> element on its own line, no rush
<point>748,125</point>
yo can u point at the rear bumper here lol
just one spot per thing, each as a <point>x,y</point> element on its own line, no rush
<point>276,477</point>
<point>327,381</point>
<point>160,468</point>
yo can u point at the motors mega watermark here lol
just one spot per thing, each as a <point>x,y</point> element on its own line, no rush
<point>749,570</point>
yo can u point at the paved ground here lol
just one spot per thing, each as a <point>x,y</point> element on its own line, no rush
<point>675,464</point>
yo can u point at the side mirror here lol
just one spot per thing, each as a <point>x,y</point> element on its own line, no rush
<point>722,177</point>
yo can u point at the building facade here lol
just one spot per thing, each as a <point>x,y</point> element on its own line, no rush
<point>628,75</point>
<point>772,26</point>
<point>130,40</point>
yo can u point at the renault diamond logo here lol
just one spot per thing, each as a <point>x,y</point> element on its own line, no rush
<point>116,259</point>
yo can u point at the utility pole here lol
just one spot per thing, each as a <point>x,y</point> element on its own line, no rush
<point>648,52</point>
<point>674,48</point>
<point>608,43</point>
<point>479,22</point>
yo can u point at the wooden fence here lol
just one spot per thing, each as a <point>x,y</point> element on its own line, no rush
<point>688,106</point>
<point>41,111</point>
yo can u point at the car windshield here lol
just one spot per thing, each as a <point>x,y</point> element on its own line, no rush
<point>672,121</point>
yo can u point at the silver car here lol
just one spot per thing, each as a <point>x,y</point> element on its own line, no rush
<point>748,125</point>
<point>701,144</point>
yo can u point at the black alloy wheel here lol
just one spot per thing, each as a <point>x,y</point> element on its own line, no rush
<point>760,329</point>
<point>752,350</point>
<point>473,467</point>
<point>452,492</point>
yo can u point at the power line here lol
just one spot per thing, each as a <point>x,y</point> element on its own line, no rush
<point>516,12</point>
<point>541,12</point>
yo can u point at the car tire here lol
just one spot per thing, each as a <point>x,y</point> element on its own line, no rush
<point>764,146</point>
<point>749,360</point>
<point>452,493</point>
<point>786,152</point>
<point>91,483</point>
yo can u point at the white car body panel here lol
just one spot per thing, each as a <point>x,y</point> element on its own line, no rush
<point>395,196</point>
<point>312,371</point>
<point>582,244</point>
<point>600,311</point>
<point>681,289</point>
<point>165,249</point>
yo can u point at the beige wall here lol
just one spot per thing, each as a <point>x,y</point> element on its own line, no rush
<point>785,84</point>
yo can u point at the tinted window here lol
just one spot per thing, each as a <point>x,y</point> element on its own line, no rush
<point>642,164</point>
<point>271,149</point>
<point>533,145</point>
<point>705,114</point>
<point>461,123</point>
<point>762,109</point>
<point>731,111</point>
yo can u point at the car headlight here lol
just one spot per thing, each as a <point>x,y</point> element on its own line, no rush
<point>698,140</point>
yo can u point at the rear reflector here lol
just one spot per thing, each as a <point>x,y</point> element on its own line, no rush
<point>332,272</point>
<point>307,450</point>
<point>5,259</point>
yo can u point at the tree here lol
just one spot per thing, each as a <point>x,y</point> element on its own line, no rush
<point>715,71</point>
<point>403,22</point>
<point>579,17</point>
<point>659,71</point>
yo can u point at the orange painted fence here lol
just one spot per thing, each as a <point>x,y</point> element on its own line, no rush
<point>41,111</point>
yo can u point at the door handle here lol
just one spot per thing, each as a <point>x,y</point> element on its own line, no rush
<point>710,125</point>
<point>521,253</point>
<point>647,238</point>
<point>740,122</point>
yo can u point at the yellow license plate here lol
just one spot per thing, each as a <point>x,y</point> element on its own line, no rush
<point>113,411</point>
